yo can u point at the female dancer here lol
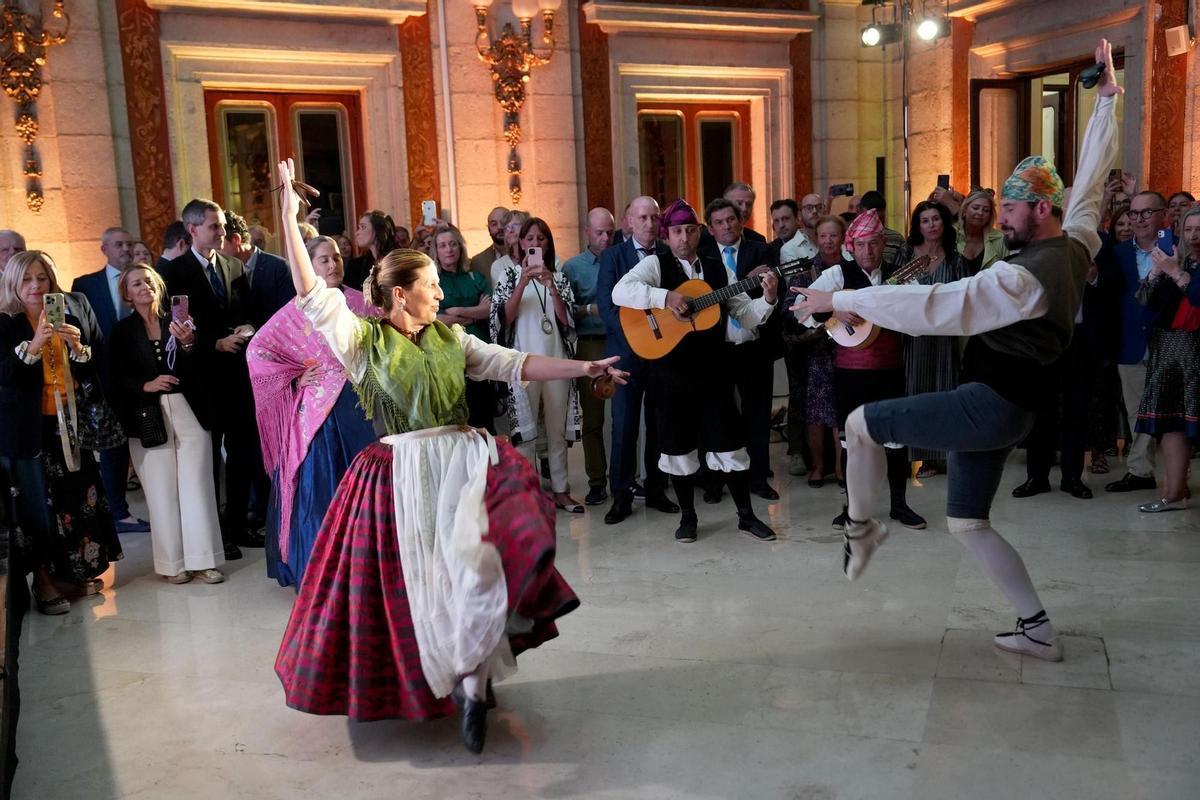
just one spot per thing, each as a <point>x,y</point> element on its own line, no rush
<point>309,420</point>
<point>435,564</point>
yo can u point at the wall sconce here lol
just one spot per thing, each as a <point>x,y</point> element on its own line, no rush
<point>510,58</point>
<point>23,60</point>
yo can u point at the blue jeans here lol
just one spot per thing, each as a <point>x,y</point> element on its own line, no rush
<point>977,427</point>
<point>114,474</point>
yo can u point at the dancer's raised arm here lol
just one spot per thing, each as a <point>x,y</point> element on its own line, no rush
<point>303,275</point>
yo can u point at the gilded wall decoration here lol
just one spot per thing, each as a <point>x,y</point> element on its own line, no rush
<point>145,99</point>
<point>597,116</point>
<point>420,113</point>
<point>800,56</point>
<point>1168,84</point>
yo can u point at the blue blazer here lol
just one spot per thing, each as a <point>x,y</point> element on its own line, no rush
<point>614,263</point>
<point>1137,322</point>
<point>271,290</point>
<point>94,286</point>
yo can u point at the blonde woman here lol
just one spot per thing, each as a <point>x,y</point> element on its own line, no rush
<point>980,243</point>
<point>61,500</point>
<point>156,386</point>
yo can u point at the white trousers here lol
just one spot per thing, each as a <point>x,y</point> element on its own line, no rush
<point>1141,449</point>
<point>177,477</point>
<point>552,398</point>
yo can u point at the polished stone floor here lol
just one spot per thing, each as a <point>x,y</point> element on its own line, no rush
<point>723,669</point>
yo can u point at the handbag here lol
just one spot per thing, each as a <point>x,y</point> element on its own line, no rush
<point>99,428</point>
<point>151,427</point>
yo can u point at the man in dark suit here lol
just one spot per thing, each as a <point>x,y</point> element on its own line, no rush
<point>785,221</point>
<point>753,351</point>
<point>643,215</point>
<point>100,289</point>
<point>216,291</point>
<point>482,261</point>
<point>268,283</point>
<point>176,242</point>
<point>742,196</point>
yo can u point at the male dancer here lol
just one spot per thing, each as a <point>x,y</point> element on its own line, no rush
<point>1020,314</point>
<point>694,383</point>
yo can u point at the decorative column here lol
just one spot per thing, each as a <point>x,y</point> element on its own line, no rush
<point>145,99</point>
<point>961,31</point>
<point>420,113</point>
<point>800,55</point>
<point>1168,96</point>
<point>597,115</point>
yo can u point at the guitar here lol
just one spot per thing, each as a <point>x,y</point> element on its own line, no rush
<point>857,337</point>
<point>654,332</point>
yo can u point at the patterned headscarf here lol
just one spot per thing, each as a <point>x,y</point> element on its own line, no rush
<point>678,213</point>
<point>1034,179</point>
<point>866,225</point>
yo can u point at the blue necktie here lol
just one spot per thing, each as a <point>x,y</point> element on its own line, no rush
<point>218,285</point>
<point>731,266</point>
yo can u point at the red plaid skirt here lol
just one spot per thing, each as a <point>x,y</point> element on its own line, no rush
<point>349,646</point>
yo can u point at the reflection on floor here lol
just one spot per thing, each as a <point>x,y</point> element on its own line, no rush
<point>727,668</point>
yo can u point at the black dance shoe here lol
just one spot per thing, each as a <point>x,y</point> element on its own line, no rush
<point>908,518</point>
<point>1031,487</point>
<point>232,552</point>
<point>755,528</point>
<point>622,507</point>
<point>660,502</point>
<point>686,532</point>
<point>474,723</point>
<point>1076,488</point>
<point>764,491</point>
<point>595,496</point>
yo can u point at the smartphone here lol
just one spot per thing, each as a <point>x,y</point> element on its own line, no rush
<point>943,181</point>
<point>428,212</point>
<point>1166,247</point>
<point>55,306</point>
<point>841,190</point>
<point>1114,174</point>
<point>534,257</point>
<point>179,308</point>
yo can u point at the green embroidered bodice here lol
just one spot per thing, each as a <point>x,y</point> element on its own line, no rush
<point>410,387</point>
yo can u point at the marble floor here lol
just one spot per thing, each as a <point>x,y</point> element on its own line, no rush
<point>723,669</point>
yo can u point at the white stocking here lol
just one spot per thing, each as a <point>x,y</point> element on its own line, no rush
<point>866,468</point>
<point>1000,561</point>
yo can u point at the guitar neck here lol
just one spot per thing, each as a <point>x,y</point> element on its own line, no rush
<point>748,284</point>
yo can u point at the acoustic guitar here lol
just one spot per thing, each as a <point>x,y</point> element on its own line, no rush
<point>654,332</point>
<point>857,337</point>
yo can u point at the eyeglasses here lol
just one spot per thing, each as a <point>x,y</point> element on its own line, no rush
<point>1145,213</point>
<point>811,207</point>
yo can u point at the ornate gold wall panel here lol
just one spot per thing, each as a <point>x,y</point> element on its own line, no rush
<point>420,115</point>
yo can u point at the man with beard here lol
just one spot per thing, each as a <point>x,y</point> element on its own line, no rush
<point>481,262</point>
<point>1020,313</point>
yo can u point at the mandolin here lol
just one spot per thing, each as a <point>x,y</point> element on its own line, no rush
<point>857,337</point>
<point>654,332</point>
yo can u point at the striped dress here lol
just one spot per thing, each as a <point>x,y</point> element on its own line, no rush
<point>932,362</point>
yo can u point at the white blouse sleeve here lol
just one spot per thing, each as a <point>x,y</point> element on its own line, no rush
<point>326,309</point>
<point>490,362</point>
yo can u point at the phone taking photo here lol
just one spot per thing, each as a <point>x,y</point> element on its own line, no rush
<point>841,190</point>
<point>943,181</point>
<point>428,213</point>
<point>179,308</point>
<point>533,257</point>
<point>55,306</point>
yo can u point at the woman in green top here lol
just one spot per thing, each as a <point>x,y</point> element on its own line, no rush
<point>467,301</point>
<point>979,241</point>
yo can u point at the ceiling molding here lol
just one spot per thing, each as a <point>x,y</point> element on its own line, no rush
<point>390,12</point>
<point>624,17</point>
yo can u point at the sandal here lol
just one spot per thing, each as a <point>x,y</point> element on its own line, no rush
<point>573,507</point>
<point>54,606</point>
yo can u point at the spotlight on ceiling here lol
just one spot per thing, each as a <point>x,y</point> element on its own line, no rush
<point>877,34</point>
<point>932,28</point>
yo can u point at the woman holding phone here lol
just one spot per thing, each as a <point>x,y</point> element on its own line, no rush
<point>162,406</point>
<point>60,502</point>
<point>531,312</point>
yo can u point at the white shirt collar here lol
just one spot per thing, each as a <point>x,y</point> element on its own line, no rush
<point>111,272</point>
<point>203,258</point>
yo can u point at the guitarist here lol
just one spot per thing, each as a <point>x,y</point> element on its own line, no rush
<point>1020,313</point>
<point>694,384</point>
<point>874,372</point>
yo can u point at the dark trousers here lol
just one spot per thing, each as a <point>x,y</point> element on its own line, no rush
<point>1063,419</point>
<point>591,348</point>
<point>244,471</point>
<point>796,361</point>
<point>626,418</point>
<point>754,379</point>
<point>16,606</point>
<point>114,473</point>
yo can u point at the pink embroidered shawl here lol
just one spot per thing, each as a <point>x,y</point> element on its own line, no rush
<point>289,416</point>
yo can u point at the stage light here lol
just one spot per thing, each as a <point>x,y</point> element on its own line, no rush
<point>931,28</point>
<point>877,34</point>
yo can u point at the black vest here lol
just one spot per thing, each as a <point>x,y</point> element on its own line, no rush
<point>672,276</point>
